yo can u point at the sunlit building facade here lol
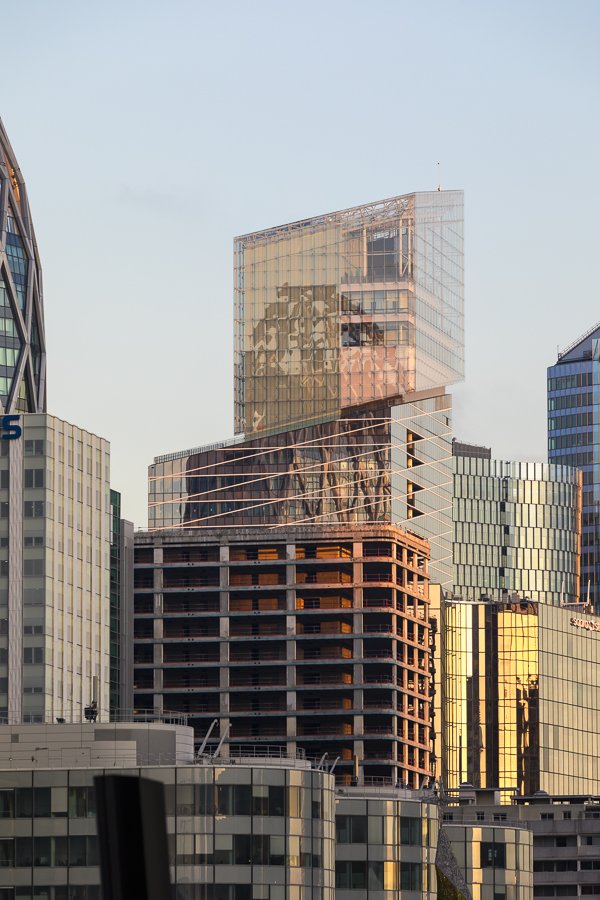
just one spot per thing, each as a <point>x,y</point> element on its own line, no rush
<point>22,341</point>
<point>55,573</point>
<point>521,696</point>
<point>573,441</point>
<point>517,527</point>
<point>349,327</point>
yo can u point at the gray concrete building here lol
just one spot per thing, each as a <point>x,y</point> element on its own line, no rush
<point>311,638</point>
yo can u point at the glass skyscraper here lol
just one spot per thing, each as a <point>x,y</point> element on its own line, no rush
<point>517,527</point>
<point>22,341</point>
<point>348,328</point>
<point>573,413</point>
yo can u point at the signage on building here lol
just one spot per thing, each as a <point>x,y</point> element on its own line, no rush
<point>10,428</point>
<point>583,623</point>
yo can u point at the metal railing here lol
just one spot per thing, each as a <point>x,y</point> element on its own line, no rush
<point>100,717</point>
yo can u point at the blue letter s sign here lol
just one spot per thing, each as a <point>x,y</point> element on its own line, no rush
<point>11,431</point>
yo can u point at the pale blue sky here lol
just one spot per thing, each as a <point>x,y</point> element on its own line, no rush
<point>150,133</point>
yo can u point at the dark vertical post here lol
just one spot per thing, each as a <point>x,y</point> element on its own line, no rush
<point>132,837</point>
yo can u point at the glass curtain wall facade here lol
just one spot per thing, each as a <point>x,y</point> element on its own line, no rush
<point>54,571</point>
<point>521,697</point>
<point>573,413</point>
<point>348,308</point>
<point>22,340</point>
<point>517,527</point>
<point>389,465</point>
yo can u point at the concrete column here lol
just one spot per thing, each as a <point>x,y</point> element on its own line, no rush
<point>158,556</point>
<point>224,627</point>
<point>290,726</point>
<point>158,579</point>
<point>357,600</point>
<point>290,651</point>
<point>290,599</point>
<point>290,551</point>
<point>224,576</point>
<point>158,629</point>
<point>224,703</point>
<point>224,552</point>
<point>224,678</point>
<point>358,700</point>
<point>358,623</point>
<point>358,673</point>
<point>224,602</point>
<point>290,574</point>
<point>158,679</point>
<point>290,676</point>
<point>224,652</point>
<point>224,722</point>
<point>290,701</point>
<point>158,604</point>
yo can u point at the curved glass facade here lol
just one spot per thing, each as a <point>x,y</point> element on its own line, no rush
<point>517,527</point>
<point>22,344</point>
<point>521,697</point>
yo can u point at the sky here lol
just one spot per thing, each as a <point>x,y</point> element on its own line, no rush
<point>150,134</point>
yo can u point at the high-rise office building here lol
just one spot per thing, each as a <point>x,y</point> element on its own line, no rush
<point>22,341</point>
<point>517,698</point>
<point>573,440</point>
<point>57,652</point>
<point>55,576</point>
<point>310,638</point>
<point>517,527</point>
<point>349,327</point>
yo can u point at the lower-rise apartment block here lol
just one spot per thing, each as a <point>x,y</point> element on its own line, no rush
<point>552,842</point>
<point>314,639</point>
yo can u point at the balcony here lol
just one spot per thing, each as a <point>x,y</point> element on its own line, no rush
<point>190,578</point>
<point>323,576</point>
<point>308,678</point>
<point>324,652</point>
<point>257,577</point>
<point>325,628</point>
<point>256,629</point>
<point>190,654</point>
<point>190,628</point>
<point>315,704</point>
<point>323,603</point>
<point>256,604</point>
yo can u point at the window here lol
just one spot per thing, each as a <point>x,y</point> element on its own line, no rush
<point>410,876</point>
<point>587,864</point>
<point>543,816</point>
<point>34,478</point>
<point>493,855</point>
<point>567,815</point>
<point>233,800</point>
<point>588,840</point>
<point>351,829</point>
<point>33,509</point>
<point>269,800</point>
<point>82,802</point>
<point>410,830</point>
<point>351,876</point>
<point>33,655</point>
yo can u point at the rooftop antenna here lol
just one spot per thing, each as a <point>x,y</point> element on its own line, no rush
<point>439,181</point>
